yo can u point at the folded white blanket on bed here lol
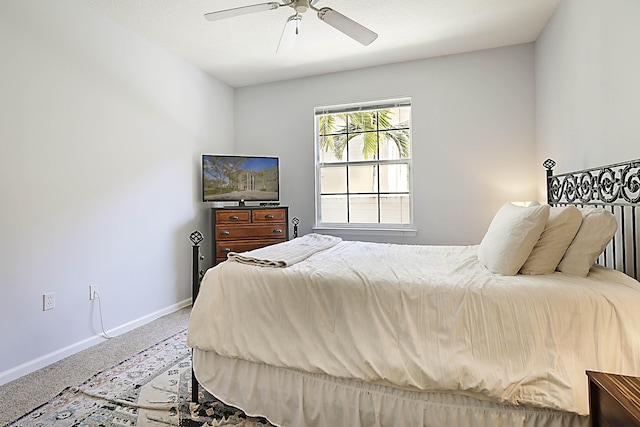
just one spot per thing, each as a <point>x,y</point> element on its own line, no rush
<point>286,253</point>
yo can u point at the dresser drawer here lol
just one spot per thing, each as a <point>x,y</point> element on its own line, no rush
<point>224,247</point>
<point>268,215</point>
<point>247,228</point>
<point>229,216</point>
<point>266,231</point>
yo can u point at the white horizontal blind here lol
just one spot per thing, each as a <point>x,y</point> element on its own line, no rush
<point>363,106</point>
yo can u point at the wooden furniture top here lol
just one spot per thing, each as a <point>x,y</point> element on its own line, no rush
<point>624,389</point>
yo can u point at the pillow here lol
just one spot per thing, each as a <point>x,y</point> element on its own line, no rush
<point>561,228</point>
<point>511,236</point>
<point>595,233</point>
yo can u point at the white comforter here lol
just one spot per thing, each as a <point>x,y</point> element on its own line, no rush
<point>426,318</point>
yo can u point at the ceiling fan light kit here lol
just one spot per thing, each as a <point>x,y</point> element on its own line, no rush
<point>289,32</point>
<point>347,26</point>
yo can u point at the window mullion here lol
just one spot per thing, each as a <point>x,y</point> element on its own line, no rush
<point>378,165</point>
<point>348,148</point>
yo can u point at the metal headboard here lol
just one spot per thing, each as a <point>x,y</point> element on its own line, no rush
<point>614,187</point>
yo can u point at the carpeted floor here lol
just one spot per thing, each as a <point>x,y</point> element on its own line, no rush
<point>32,390</point>
<point>152,388</point>
<point>142,387</point>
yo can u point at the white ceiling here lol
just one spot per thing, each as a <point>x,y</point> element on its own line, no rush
<point>240,51</point>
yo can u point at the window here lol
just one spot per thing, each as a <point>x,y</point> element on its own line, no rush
<point>363,165</point>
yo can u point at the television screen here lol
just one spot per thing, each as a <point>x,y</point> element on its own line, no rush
<point>236,178</point>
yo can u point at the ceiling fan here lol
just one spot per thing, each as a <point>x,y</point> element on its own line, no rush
<point>337,20</point>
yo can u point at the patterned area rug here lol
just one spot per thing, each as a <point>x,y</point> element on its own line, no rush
<point>152,388</point>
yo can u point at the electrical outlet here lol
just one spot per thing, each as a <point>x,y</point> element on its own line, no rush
<point>48,301</point>
<point>93,290</point>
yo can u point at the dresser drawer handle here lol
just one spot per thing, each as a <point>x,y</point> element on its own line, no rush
<point>269,216</point>
<point>234,217</point>
<point>225,232</point>
<point>278,231</point>
<point>225,249</point>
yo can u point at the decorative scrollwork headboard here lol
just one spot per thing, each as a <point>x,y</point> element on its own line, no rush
<point>614,187</point>
<point>613,184</point>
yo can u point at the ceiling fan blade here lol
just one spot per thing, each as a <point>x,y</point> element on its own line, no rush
<point>243,10</point>
<point>289,33</point>
<point>348,26</point>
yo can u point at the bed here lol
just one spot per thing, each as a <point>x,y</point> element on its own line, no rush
<point>369,334</point>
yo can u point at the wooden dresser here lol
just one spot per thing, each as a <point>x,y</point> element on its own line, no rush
<point>614,400</point>
<point>246,228</point>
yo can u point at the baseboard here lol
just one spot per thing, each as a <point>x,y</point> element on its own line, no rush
<point>39,363</point>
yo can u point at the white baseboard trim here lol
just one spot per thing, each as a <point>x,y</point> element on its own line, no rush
<point>46,360</point>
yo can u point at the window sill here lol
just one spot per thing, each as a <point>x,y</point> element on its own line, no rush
<point>367,231</point>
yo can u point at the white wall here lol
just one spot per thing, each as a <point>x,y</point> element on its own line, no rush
<point>101,135</point>
<point>473,135</point>
<point>588,84</point>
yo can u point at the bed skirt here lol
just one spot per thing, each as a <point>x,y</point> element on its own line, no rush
<point>288,398</point>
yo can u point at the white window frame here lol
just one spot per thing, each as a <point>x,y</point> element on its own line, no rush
<point>352,227</point>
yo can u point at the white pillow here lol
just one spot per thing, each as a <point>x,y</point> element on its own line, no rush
<point>511,236</point>
<point>595,233</point>
<point>561,228</point>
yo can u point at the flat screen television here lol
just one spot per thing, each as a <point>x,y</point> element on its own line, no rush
<point>240,179</point>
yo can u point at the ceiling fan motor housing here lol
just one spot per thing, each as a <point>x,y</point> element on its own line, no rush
<point>301,6</point>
